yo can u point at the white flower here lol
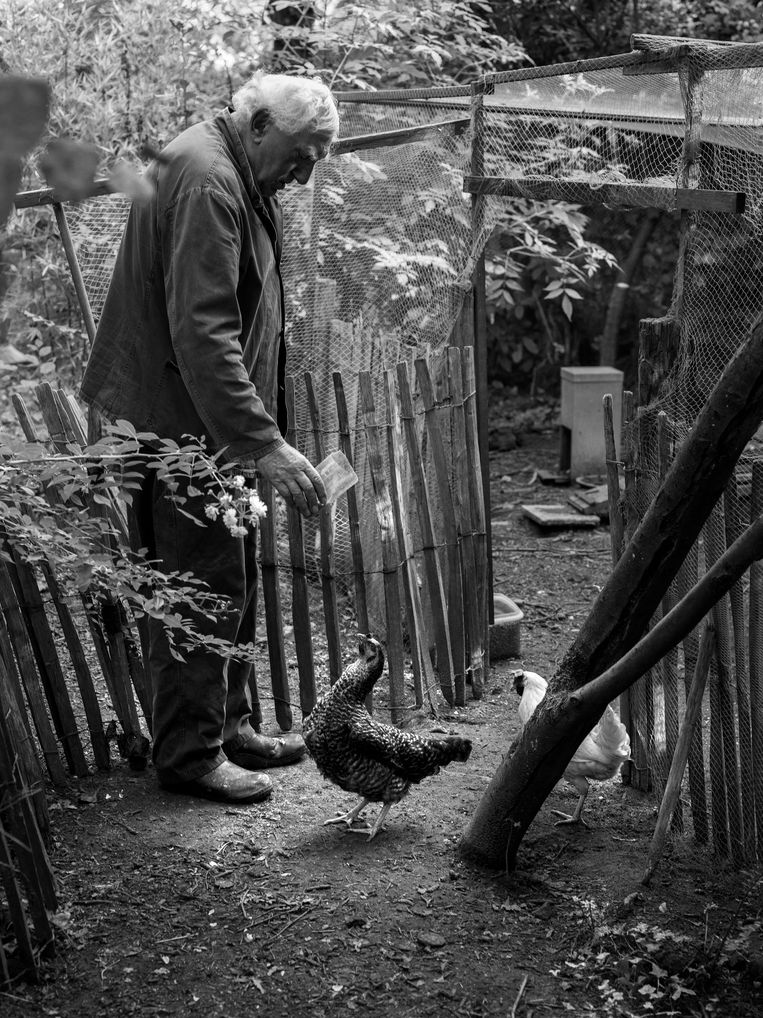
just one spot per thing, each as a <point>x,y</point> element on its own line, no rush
<point>257,507</point>
<point>212,512</point>
<point>238,481</point>
<point>238,531</point>
<point>226,499</point>
<point>230,518</point>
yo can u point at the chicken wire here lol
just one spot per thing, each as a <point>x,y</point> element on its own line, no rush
<point>698,125</point>
<point>378,259</point>
<point>379,255</point>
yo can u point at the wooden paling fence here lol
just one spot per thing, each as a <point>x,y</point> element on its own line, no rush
<point>696,719</point>
<point>72,676</point>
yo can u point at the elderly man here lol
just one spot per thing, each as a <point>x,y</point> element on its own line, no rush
<point>191,342</point>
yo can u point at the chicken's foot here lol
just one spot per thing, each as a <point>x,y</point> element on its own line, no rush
<point>576,818</point>
<point>379,822</point>
<point>349,818</point>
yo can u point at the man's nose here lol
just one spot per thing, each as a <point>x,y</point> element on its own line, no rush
<point>302,174</point>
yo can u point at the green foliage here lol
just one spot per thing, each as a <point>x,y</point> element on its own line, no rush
<point>60,509</point>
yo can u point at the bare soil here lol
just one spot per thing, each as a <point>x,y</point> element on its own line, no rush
<point>175,906</point>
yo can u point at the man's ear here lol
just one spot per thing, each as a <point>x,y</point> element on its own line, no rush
<point>258,123</point>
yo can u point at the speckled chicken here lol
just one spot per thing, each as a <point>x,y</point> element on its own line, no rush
<point>598,757</point>
<point>378,762</point>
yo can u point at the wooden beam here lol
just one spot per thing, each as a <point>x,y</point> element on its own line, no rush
<point>401,136</point>
<point>48,196</point>
<point>627,195</point>
<point>662,55</point>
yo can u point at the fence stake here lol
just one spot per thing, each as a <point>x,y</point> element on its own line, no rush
<point>455,601</point>
<point>389,549</point>
<point>326,526</point>
<point>300,595</point>
<point>678,763</point>
<point>756,658</point>
<point>271,595</point>
<point>431,564</point>
<point>423,672</point>
<point>462,501</point>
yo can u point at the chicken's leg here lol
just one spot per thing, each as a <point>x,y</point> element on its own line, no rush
<point>576,817</point>
<point>349,818</point>
<point>379,821</point>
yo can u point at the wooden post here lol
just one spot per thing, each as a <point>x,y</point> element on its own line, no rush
<point>431,564</point>
<point>756,659</point>
<point>28,672</point>
<point>480,321</point>
<point>670,799</point>
<point>81,670</point>
<point>734,528</point>
<point>326,525</point>
<point>455,604</point>
<point>300,595</point>
<point>46,655</point>
<point>462,501</point>
<point>271,596</point>
<point>353,514</point>
<point>389,545</point>
<point>669,664</point>
<point>616,527</point>
<point>479,510</point>
<point>727,830</point>
<point>687,578</point>
<point>423,672</point>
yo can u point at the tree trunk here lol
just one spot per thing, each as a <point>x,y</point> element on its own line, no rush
<point>626,272</point>
<point>622,611</point>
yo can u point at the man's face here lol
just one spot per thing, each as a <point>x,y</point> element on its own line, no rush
<point>278,157</point>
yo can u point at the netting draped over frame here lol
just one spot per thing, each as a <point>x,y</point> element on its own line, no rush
<point>379,255</point>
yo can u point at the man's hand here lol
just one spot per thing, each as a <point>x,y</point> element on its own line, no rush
<point>295,479</point>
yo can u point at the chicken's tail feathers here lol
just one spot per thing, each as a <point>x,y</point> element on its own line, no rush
<point>613,736</point>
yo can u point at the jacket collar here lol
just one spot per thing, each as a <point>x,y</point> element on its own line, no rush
<point>230,132</point>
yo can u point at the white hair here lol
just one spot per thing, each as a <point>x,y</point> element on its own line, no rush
<point>294,102</point>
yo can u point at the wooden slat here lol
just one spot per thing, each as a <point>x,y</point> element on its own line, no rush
<point>431,564</point>
<point>353,509</point>
<point>462,503</point>
<point>733,510</point>
<point>15,905</point>
<point>15,722</point>
<point>479,509</point>
<point>49,196</point>
<point>423,672</point>
<point>455,599</point>
<point>29,676</point>
<point>46,654</point>
<point>389,547</point>
<point>271,594</point>
<point>300,594</point>
<point>727,823</point>
<point>401,136</point>
<point>81,671</point>
<point>621,195</point>
<point>692,718</point>
<point>686,580</point>
<point>669,664</point>
<point>756,658</point>
<point>327,531</point>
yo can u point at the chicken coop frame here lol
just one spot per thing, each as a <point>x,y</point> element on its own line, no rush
<point>504,135</point>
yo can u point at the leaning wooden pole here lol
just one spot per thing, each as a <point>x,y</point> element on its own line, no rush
<point>620,615</point>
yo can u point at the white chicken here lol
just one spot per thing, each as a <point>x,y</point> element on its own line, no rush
<point>598,757</point>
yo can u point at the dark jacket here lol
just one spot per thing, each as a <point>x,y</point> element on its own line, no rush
<point>191,336</point>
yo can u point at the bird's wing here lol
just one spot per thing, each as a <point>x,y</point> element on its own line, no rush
<point>408,755</point>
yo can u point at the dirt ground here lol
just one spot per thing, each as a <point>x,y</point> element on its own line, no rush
<point>173,906</point>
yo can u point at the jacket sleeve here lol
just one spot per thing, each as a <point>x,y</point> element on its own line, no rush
<point>201,254</point>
